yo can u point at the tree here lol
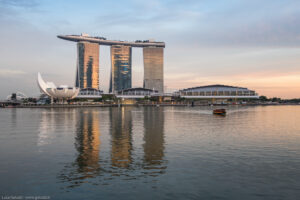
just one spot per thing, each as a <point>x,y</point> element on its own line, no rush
<point>263,98</point>
<point>276,99</point>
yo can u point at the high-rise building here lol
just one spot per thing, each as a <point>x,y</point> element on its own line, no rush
<point>153,68</point>
<point>121,75</point>
<point>87,74</point>
<point>120,78</point>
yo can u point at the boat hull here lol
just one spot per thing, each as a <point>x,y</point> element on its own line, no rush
<point>219,112</point>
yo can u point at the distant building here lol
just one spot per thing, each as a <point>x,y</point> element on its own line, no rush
<point>16,96</point>
<point>137,92</point>
<point>120,78</point>
<point>153,68</point>
<point>89,93</point>
<point>217,91</point>
<point>87,74</point>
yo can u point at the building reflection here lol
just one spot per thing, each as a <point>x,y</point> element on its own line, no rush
<point>53,123</point>
<point>13,117</point>
<point>154,138</point>
<point>119,160</point>
<point>87,143</point>
<point>121,136</point>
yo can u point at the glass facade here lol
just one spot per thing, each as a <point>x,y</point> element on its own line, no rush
<point>137,91</point>
<point>153,68</point>
<point>87,75</point>
<point>120,68</point>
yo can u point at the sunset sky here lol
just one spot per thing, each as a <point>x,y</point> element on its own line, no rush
<point>247,43</point>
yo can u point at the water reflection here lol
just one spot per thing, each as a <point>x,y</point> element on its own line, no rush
<point>14,117</point>
<point>45,129</point>
<point>153,139</point>
<point>87,143</point>
<point>121,136</point>
<point>123,157</point>
<point>252,153</point>
<point>54,123</point>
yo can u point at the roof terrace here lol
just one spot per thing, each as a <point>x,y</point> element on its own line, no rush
<point>104,41</point>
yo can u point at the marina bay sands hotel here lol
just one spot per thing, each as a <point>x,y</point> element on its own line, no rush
<point>87,74</point>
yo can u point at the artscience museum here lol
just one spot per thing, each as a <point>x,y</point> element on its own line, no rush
<point>63,92</point>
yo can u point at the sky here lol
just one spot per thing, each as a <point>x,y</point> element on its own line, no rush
<point>246,43</point>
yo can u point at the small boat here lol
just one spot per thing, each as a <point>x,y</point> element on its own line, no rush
<point>219,112</point>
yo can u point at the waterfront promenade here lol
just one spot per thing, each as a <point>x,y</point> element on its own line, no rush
<point>143,105</point>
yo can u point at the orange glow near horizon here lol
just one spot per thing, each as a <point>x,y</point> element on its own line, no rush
<point>285,86</point>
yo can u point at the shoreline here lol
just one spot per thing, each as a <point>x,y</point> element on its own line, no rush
<point>138,105</point>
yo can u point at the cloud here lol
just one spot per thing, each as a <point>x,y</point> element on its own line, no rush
<point>19,3</point>
<point>206,41</point>
<point>247,23</point>
<point>11,72</point>
<point>207,23</point>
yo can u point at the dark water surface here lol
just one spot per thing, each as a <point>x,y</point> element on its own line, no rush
<point>151,153</point>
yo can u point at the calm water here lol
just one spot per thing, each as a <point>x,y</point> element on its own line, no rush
<point>147,153</point>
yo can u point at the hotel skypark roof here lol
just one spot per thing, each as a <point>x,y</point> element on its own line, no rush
<point>103,41</point>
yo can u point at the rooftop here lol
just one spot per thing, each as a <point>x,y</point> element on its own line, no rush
<point>104,41</point>
<point>137,89</point>
<point>214,86</point>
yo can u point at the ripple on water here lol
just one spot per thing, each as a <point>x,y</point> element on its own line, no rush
<point>151,152</point>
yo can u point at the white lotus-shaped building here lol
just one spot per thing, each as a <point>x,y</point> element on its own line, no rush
<point>61,92</point>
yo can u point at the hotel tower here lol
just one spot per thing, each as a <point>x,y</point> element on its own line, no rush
<point>120,78</point>
<point>153,68</point>
<point>87,74</point>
